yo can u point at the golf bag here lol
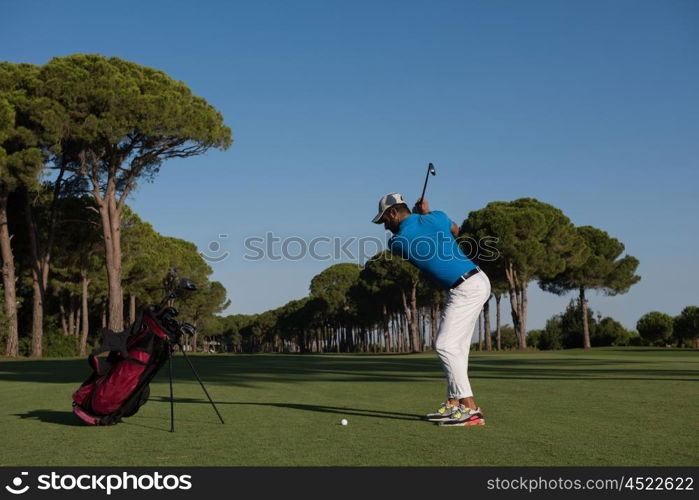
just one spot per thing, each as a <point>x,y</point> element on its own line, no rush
<point>119,385</point>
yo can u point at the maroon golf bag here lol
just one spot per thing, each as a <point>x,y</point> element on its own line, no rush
<point>119,384</point>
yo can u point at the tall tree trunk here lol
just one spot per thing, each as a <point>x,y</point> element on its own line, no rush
<point>336,336</point>
<point>78,318</point>
<point>517,288</point>
<point>405,333</point>
<point>486,325</point>
<point>398,331</point>
<point>433,323</point>
<point>71,316</point>
<point>414,319</point>
<point>193,344</point>
<point>85,281</point>
<point>8,280</point>
<point>513,291</point>
<point>423,329</point>
<point>411,320</point>
<point>132,308</point>
<point>586,326</point>
<point>62,313</point>
<point>110,216</point>
<point>38,285</point>
<point>518,330</point>
<point>75,304</point>
<point>389,333</point>
<point>301,340</point>
<point>37,334</point>
<point>523,317</point>
<point>498,343</point>
<point>406,315</point>
<point>386,333</point>
<point>40,258</point>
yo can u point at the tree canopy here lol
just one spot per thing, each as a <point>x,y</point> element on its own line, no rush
<point>655,328</point>
<point>534,240</point>
<point>602,269</point>
<point>686,326</point>
<point>122,122</point>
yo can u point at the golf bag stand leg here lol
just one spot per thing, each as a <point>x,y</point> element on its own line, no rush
<point>172,400</point>
<point>201,383</point>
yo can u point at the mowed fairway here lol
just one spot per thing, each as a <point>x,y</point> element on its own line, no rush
<point>625,406</point>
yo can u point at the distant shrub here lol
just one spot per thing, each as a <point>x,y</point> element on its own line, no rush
<point>655,328</point>
<point>686,327</point>
<point>508,337</point>
<point>54,345</point>
<point>565,330</point>
<point>57,345</point>
<point>609,332</point>
<point>635,339</point>
<point>533,338</point>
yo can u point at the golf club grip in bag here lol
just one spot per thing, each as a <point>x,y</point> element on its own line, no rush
<point>119,386</point>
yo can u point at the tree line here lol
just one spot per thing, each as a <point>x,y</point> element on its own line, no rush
<point>77,135</point>
<point>388,305</point>
<point>564,330</point>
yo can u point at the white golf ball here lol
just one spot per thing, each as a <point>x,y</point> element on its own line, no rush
<point>344,421</point>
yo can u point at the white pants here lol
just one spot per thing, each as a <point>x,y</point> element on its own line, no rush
<point>464,304</point>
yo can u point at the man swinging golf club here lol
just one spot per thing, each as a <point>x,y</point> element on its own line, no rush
<point>427,239</point>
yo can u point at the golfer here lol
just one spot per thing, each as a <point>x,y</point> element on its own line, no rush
<point>428,240</point>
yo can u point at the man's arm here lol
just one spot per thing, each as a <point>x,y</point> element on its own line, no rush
<point>421,207</point>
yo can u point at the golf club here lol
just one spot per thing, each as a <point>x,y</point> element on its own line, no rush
<point>430,170</point>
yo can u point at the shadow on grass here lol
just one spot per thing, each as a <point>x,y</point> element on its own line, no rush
<point>53,417</point>
<point>69,419</point>
<point>340,410</point>
<point>251,370</point>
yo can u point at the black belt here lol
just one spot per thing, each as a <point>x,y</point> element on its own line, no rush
<point>466,276</point>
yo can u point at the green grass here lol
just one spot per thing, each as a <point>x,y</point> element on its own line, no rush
<point>631,406</point>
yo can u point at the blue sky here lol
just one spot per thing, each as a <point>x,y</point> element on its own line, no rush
<point>588,105</point>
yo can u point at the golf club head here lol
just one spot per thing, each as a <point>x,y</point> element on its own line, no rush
<point>173,311</point>
<point>430,170</point>
<point>188,328</point>
<point>187,285</point>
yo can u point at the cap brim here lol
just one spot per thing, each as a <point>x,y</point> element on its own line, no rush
<point>377,219</point>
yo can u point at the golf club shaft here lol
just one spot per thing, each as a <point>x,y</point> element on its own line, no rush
<point>427,177</point>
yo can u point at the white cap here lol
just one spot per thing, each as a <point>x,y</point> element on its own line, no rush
<point>387,202</point>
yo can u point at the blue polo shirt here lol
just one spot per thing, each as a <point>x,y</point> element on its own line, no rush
<point>426,241</point>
